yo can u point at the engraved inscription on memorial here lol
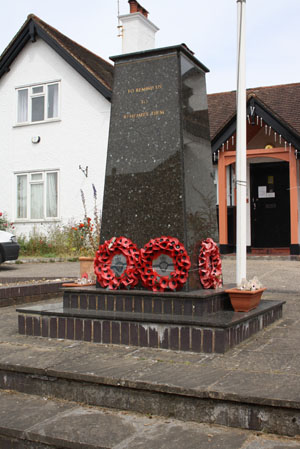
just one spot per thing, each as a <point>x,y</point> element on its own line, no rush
<point>143,102</point>
<point>163,265</point>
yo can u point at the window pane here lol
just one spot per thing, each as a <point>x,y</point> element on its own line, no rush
<point>51,201</point>
<point>37,113</point>
<point>36,176</point>
<point>37,197</point>
<point>37,90</point>
<point>22,196</point>
<point>22,105</point>
<point>53,100</point>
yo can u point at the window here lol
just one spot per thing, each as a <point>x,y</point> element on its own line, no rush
<point>37,195</point>
<point>37,103</point>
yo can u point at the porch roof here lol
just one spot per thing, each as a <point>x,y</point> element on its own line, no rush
<point>281,101</point>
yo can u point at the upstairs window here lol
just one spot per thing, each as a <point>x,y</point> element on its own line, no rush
<point>37,103</point>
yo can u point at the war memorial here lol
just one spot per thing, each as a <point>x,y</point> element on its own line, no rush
<point>159,198</point>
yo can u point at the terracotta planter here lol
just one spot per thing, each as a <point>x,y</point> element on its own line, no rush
<point>86,266</point>
<point>244,300</point>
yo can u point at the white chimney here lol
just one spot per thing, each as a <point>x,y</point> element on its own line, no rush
<point>138,33</point>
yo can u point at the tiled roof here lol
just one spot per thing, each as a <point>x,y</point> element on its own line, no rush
<point>282,101</point>
<point>98,68</point>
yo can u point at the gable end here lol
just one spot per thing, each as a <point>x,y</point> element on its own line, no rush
<point>28,32</point>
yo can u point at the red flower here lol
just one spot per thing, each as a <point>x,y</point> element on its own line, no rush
<point>1,214</point>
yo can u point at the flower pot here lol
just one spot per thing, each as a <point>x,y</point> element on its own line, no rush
<point>244,300</point>
<point>87,267</point>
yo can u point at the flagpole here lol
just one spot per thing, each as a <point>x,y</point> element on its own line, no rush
<point>241,144</point>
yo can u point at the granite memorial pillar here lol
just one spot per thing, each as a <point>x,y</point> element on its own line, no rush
<point>159,177</point>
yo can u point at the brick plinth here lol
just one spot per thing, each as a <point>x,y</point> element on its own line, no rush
<point>146,302</point>
<point>195,338</point>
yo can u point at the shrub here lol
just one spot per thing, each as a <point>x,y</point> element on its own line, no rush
<point>72,240</point>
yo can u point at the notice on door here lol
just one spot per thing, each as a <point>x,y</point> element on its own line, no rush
<point>262,192</point>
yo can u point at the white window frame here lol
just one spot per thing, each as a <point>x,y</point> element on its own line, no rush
<point>29,183</point>
<point>31,95</point>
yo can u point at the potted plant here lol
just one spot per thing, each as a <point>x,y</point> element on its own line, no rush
<point>246,296</point>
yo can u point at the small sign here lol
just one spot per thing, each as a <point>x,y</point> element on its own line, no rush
<point>262,192</point>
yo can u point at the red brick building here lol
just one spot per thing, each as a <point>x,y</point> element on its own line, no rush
<point>273,171</point>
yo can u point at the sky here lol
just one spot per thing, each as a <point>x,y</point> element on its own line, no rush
<point>208,27</point>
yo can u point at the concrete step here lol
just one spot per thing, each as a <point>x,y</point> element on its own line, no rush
<point>114,378</point>
<point>34,422</point>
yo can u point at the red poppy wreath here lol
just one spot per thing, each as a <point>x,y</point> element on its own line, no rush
<point>164,264</point>
<point>116,264</point>
<point>210,266</point>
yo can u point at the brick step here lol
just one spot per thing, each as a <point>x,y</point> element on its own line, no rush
<point>215,332</point>
<point>195,303</point>
<point>27,292</point>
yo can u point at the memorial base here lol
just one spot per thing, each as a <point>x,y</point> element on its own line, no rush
<point>201,321</point>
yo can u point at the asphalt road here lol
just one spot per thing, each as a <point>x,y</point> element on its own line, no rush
<point>276,274</point>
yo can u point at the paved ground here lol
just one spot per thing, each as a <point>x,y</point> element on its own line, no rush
<point>264,368</point>
<point>42,269</point>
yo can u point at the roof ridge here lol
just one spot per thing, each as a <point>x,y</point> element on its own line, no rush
<point>256,88</point>
<point>42,22</point>
<point>274,86</point>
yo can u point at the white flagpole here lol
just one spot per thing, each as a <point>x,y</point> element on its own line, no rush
<point>241,144</point>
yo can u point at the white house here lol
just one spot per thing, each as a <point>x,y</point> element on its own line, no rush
<point>54,117</point>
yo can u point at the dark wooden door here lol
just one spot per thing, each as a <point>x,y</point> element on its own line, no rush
<point>270,205</point>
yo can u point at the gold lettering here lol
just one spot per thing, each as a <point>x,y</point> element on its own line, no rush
<point>145,89</point>
<point>137,115</point>
<point>155,113</point>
